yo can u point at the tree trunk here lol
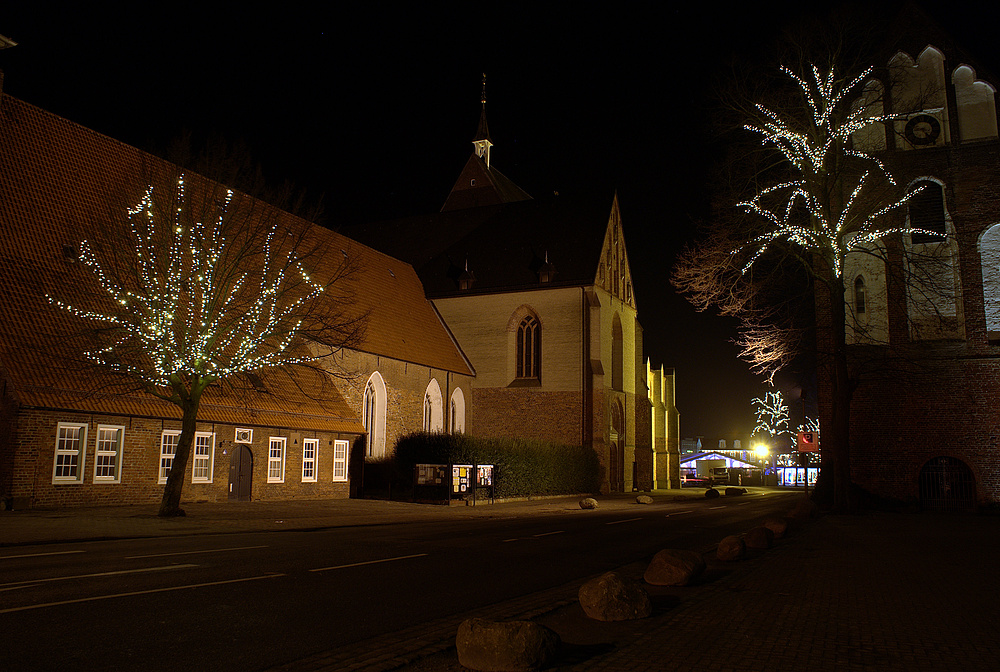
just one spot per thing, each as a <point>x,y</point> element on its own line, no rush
<point>170,505</point>
<point>841,393</point>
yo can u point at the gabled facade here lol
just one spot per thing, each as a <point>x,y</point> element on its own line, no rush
<point>68,439</point>
<point>923,325</point>
<point>539,295</point>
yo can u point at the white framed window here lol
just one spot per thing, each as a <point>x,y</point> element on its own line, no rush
<point>458,411</point>
<point>203,458</point>
<point>168,448</point>
<point>276,460</point>
<point>340,460</point>
<point>71,440</point>
<point>373,415</point>
<point>310,450</point>
<point>108,454</point>
<point>433,408</point>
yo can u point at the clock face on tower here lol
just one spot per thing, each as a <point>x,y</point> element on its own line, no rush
<point>923,129</point>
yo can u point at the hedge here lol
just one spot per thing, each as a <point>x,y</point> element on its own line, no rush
<point>521,467</point>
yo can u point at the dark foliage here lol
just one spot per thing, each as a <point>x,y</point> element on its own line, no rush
<point>521,467</point>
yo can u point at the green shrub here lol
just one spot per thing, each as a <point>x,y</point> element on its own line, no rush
<point>521,467</point>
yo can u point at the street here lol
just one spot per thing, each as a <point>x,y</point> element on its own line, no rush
<point>256,600</point>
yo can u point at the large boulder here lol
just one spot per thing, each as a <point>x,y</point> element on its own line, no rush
<point>672,567</point>
<point>643,499</point>
<point>731,548</point>
<point>612,597</point>
<point>735,492</point>
<point>759,538</point>
<point>588,503</point>
<point>711,493</point>
<point>779,526</point>
<point>511,646</point>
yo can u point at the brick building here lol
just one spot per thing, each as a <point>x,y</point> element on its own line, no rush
<point>539,295</point>
<point>69,436</point>
<point>924,312</point>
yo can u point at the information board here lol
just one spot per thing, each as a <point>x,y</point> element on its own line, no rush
<point>461,478</point>
<point>484,475</point>
<point>432,474</point>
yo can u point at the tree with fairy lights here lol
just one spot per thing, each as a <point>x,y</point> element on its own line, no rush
<point>823,199</point>
<point>772,416</point>
<point>198,285</point>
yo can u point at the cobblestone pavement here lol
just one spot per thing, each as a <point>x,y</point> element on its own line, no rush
<point>872,592</point>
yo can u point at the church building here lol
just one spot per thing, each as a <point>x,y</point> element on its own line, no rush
<point>538,293</point>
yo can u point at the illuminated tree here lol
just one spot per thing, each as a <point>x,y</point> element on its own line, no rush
<point>772,416</point>
<point>823,200</point>
<point>196,284</point>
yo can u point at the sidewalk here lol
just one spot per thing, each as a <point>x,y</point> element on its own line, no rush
<point>38,526</point>
<point>879,592</point>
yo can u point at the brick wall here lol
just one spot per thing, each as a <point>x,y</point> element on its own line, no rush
<point>31,475</point>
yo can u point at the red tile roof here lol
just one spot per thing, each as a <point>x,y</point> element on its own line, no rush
<point>58,184</point>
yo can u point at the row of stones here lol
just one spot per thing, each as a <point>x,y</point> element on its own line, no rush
<point>514,646</point>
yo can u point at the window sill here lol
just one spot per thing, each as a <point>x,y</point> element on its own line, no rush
<point>525,382</point>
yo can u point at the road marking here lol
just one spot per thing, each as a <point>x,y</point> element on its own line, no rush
<point>137,592</point>
<point>89,576</point>
<point>627,520</point>
<point>210,550</point>
<point>37,555</point>
<point>369,562</point>
<point>721,506</point>
<point>677,513</point>
<point>743,503</point>
<point>548,534</point>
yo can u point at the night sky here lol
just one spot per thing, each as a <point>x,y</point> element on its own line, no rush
<point>374,109</point>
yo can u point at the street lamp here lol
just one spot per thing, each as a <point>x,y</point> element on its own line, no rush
<point>761,450</point>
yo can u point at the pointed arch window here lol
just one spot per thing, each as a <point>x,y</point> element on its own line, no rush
<point>529,348</point>
<point>457,411</point>
<point>433,408</point>
<point>927,213</point>
<point>373,416</point>
<point>860,296</point>
<point>617,354</point>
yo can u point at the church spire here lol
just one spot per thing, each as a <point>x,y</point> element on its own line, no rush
<point>482,142</point>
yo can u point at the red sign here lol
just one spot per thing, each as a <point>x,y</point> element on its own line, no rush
<point>808,442</point>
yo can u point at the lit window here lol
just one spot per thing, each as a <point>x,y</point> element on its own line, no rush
<point>529,348</point>
<point>340,460</point>
<point>310,448</point>
<point>71,438</point>
<point>204,457</point>
<point>108,454</point>
<point>276,460</point>
<point>168,448</point>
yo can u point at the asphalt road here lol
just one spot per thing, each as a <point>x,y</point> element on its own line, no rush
<point>251,601</point>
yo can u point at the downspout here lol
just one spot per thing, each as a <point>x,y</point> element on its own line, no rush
<point>584,356</point>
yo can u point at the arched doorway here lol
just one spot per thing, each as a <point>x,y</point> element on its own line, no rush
<point>947,484</point>
<point>616,456</point>
<point>241,473</point>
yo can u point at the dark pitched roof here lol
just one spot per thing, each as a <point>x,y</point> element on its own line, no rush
<point>57,182</point>
<point>505,245</point>
<point>479,185</point>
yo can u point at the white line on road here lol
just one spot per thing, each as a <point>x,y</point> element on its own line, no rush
<point>209,550</point>
<point>721,506</point>
<point>548,534</point>
<point>677,513</point>
<point>137,592</point>
<point>627,520</point>
<point>37,555</point>
<point>369,562</point>
<point>89,576</point>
